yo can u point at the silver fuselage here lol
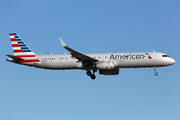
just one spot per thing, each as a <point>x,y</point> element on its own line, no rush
<point>120,60</point>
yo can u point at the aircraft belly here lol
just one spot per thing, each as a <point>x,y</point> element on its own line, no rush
<point>59,65</point>
<point>137,63</point>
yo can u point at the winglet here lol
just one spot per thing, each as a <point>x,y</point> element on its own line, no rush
<point>62,42</point>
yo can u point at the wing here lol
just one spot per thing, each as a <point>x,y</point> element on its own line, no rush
<point>81,57</point>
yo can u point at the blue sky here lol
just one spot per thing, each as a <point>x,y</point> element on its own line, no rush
<point>90,26</point>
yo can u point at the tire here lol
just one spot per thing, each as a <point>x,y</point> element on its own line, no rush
<point>88,73</point>
<point>155,73</point>
<point>93,77</point>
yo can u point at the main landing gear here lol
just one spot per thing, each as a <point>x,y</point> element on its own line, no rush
<point>155,71</point>
<point>91,75</point>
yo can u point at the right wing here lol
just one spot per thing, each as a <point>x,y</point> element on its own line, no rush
<point>81,57</point>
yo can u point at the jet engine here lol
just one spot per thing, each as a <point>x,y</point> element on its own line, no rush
<point>109,72</point>
<point>104,65</point>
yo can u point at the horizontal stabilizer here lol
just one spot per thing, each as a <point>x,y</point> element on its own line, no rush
<point>15,58</point>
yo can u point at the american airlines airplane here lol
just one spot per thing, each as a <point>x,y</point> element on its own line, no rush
<point>106,63</point>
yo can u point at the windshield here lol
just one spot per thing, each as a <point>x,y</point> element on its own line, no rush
<point>165,56</point>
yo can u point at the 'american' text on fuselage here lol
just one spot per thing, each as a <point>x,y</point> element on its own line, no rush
<point>126,57</point>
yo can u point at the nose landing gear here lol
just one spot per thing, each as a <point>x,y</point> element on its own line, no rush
<point>91,75</point>
<point>155,71</point>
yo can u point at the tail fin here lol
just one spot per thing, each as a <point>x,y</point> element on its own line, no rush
<point>20,49</point>
<point>18,45</point>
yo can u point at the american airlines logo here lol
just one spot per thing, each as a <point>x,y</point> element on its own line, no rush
<point>148,56</point>
<point>126,57</point>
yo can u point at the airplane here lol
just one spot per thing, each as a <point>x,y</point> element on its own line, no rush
<point>106,63</point>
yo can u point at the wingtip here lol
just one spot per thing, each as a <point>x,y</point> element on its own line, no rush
<point>62,42</point>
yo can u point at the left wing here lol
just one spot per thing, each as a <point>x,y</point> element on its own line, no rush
<point>81,57</point>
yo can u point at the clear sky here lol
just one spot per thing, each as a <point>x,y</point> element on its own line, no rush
<point>90,26</point>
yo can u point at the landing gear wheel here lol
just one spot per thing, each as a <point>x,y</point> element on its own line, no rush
<point>155,73</point>
<point>88,73</point>
<point>93,76</point>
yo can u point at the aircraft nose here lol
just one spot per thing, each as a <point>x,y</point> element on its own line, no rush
<point>172,61</point>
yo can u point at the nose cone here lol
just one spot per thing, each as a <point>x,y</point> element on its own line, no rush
<point>172,61</point>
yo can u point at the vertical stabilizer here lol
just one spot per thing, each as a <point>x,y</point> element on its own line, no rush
<point>21,50</point>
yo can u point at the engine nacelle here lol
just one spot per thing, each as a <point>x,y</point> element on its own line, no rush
<point>104,65</point>
<point>109,72</point>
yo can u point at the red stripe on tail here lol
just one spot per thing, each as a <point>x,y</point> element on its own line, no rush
<point>13,39</point>
<point>16,51</point>
<point>15,45</point>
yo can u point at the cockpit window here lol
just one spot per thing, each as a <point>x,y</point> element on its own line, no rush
<point>165,56</point>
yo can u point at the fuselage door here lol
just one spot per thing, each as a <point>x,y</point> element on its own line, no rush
<point>155,57</point>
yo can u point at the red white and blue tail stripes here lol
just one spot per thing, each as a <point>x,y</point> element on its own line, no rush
<point>21,50</point>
